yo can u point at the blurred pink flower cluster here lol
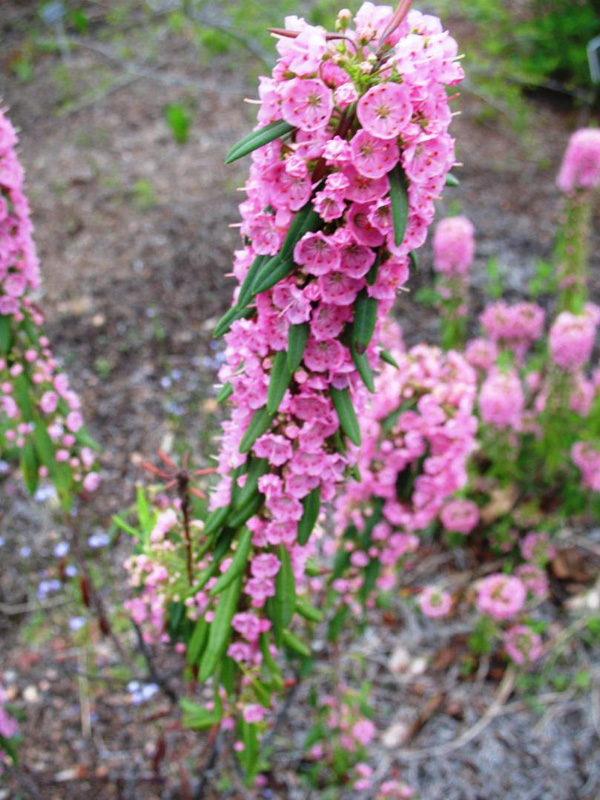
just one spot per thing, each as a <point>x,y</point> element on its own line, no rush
<point>416,442</point>
<point>35,397</point>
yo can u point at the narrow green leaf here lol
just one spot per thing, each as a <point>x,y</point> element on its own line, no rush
<point>386,356</point>
<point>374,271</point>
<point>269,661</point>
<point>258,139</point>
<point>259,424</point>
<point>399,198</point>
<point>225,392</point>
<point>245,293</point>
<point>226,321</point>
<point>238,563</point>
<point>414,261</point>
<point>220,629</point>
<point>22,391</point>
<point>43,445</point>
<point>269,276</point>
<point>249,755</point>
<point>452,180</point>
<point>365,319</point>
<point>216,520</point>
<point>263,695</point>
<point>312,505</point>
<point>297,338</point>
<point>197,643</point>
<point>126,527</point>
<point>143,511</point>
<point>291,641</point>
<point>309,612</point>
<point>196,717</point>
<point>5,334</point>
<point>279,382</point>
<point>361,362</point>
<point>285,588</point>
<point>242,514</point>
<point>346,414</point>
<point>257,468</point>
<point>30,466</point>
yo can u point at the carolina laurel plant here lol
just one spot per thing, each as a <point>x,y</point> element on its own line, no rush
<point>41,424</point>
<point>351,150</point>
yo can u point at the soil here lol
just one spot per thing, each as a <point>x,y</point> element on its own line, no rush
<point>133,233</point>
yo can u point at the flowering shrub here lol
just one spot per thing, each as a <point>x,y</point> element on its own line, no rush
<point>351,150</point>
<point>417,439</point>
<point>41,422</point>
<point>9,731</point>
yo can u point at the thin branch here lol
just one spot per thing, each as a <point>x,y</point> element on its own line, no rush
<point>153,673</point>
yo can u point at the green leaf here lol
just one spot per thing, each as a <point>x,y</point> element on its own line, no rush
<point>257,468</point>
<point>241,515</point>
<point>43,445</point>
<point>126,527</point>
<point>297,338</point>
<point>271,273</point>
<point>198,718</point>
<point>249,755</point>
<point>308,612</point>
<point>386,356</point>
<point>245,293</point>
<point>259,424</point>
<point>197,643</point>
<point>269,661</point>
<point>235,313</point>
<point>258,139</point>
<point>285,588</point>
<point>365,319</point>
<point>238,563</point>
<point>225,392</point>
<point>22,392</point>
<point>220,629</point>
<point>346,414</point>
<point>452,180</point>
<point>414,261</point>
<point>263,695</point>
<point>279,382</point>
<point>30,466</point>
<point>292,642</point>
<point>361,362</point>
<point>312,505</point>
<point>399,199</point>
<point>5,334</point>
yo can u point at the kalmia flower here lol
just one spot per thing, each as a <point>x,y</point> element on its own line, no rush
<point>41,422</point>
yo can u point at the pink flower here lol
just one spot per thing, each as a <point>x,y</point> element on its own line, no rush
<point>522,644</point>
<point>454,246</point>
<point>571,340</point>
<point>317,253</point>
<point>265,565</point>
<point>385,110</point>
<point>364,731</point>
<point>501,400</point>
<point>306,104</point>
<point>460,516</point>
<point>373,157</point>
<point>501,596</point>
<point>254,713</point>
<point>581,165</point>
<point>435,603</point>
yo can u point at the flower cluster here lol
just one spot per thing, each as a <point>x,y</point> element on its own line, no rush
<point>454,251</point>
<point>515,327</point>
<point>580,169</point>
<point>586,456</point>
<point>454,247</point>
<point>9,728</point>
<point>41,421</point>
<point>571,338</point>
<point>417,439</point>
